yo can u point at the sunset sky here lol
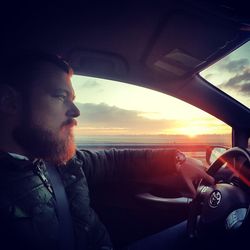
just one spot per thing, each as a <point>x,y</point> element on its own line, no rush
<point>109,108</point>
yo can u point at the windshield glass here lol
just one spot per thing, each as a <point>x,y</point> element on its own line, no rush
<point>116,112</point>
<point>232,74</point>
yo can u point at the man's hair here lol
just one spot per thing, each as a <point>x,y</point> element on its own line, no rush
<point>19,70</point>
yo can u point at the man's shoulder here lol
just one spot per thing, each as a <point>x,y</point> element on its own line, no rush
<point>19,185</point>
<point>11,165</point>
<point>16,176</point>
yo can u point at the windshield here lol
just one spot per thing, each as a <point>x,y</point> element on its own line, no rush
<point>116,112</point>
<point>232,74</point>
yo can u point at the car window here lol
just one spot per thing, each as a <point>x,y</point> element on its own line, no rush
<point>231,74</point>
<point>115,114</point>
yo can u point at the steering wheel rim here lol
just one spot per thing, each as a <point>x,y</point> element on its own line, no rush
<point>232,152</point>
<point>198,203</point>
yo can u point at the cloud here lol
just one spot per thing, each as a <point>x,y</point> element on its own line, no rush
<point>107,117</point>
<point>246,88</point>
<point>235,66</point>
<point>104,119</point>
<point>240,82</point>
<point>90,83</point>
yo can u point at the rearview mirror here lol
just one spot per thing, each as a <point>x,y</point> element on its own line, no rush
<point>214,152</point>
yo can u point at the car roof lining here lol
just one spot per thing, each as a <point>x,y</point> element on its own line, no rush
<point>147,45</point>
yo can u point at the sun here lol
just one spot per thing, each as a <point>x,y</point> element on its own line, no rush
<point>192,135</point>
<point>192,131</point>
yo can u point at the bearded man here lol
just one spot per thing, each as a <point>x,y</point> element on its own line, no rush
<point>44,198</point>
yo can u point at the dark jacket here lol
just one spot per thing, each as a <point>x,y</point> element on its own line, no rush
<point>28,212</point>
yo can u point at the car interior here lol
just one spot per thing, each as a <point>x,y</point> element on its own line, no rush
<point>162,46</point>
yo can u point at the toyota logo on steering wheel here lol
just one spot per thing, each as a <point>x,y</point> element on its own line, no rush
<point>215,199</point>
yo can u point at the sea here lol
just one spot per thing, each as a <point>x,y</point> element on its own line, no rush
<point>140,140</point>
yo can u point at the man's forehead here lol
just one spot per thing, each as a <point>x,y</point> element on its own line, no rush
<point>51,69</point>
<point>53,77</point>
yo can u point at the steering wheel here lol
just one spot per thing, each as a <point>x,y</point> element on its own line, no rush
<point>224,206</point>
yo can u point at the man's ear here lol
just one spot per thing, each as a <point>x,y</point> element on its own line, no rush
<point>9,100</point>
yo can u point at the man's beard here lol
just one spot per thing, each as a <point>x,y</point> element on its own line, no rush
<point>55,147</point>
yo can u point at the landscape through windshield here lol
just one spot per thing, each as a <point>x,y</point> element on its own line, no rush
<point>115,112</point>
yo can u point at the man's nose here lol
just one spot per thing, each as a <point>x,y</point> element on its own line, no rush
<point>73,111</point>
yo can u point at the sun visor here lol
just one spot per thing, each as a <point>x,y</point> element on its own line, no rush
<point>97,63</point>
<point>187,41</point>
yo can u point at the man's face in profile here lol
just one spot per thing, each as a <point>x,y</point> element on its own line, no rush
<point>48,116</point>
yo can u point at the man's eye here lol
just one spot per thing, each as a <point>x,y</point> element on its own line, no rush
<point>61,97</point>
